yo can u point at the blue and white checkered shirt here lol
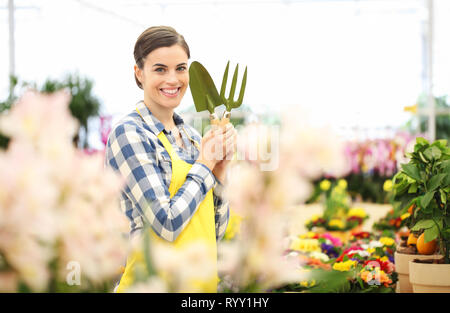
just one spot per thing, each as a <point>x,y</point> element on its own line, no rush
<point>134,150</point>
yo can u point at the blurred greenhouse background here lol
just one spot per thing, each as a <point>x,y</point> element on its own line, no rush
<point>353,64</point>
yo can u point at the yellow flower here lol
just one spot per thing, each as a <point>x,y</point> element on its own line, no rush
<point>384,259</point>
<point>405,216</point>
<point>371,250</point>
<point>309,234</point>
<point>336,223</point>
<point>325,184</point>
<point>315,217</point>
<point>358,212</point>
<point>342,183</point>
<point>386,241</point>
<point>364,168</point>
<point>306,283</point>
<point>305,245</point>
<point>344,266</point>
<point>387,186</point>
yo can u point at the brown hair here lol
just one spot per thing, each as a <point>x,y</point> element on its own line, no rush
<point>153,38</point>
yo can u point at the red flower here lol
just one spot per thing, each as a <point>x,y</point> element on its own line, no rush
<point>346,251</point>
<point>361,235</point>
<point>385,266</point>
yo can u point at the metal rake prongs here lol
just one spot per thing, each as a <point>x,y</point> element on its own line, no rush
<point>229,102</point>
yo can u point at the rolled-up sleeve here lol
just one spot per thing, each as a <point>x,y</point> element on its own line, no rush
<point>133,155</point>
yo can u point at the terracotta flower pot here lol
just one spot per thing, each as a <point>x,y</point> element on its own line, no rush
<point>429,278</point>
<point>402,268</point>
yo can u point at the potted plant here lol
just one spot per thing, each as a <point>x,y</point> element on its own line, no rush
<point>424,184</point>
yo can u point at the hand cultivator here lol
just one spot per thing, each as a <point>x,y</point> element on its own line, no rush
<point>205,94</point>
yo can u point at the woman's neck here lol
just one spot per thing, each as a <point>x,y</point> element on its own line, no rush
<point>164,115</point>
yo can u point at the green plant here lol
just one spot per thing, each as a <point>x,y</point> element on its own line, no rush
<point>83,104</point>
<point>6,105</point>
<point>425,182</point>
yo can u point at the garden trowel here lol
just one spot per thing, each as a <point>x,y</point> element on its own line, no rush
<point>204,91</point>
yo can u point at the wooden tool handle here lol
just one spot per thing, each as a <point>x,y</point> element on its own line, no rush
<point>224,121</point>
<point>220,123</point>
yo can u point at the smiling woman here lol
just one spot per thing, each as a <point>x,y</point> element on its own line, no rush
<point>173,179</point>
<point>165,84</point>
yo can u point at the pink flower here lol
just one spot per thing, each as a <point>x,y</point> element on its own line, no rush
<point>105,128</point>
<point>335,241</point>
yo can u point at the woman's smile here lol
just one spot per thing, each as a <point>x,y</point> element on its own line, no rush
<point>170,92</point>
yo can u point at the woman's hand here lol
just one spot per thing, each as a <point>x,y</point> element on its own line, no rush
<point>217,148</point>
<point>211,148</point>
<point>229,148</point>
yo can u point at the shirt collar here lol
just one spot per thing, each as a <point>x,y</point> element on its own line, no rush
<point>152,122</point>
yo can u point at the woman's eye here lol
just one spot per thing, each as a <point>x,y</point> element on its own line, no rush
<point>181,68</point>
<point>159,69</point>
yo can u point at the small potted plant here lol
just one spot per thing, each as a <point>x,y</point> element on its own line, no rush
<point>424,183</point>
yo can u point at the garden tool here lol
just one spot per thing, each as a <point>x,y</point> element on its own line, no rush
<point>204,91</point>
<point>229,102</point>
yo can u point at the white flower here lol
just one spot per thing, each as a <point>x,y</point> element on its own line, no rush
<point>55,203</point>
<point>375,244</point>
<point>360,252</point>
<point>319,255</point>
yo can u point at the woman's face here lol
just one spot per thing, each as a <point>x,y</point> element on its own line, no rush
<point>165,76</point>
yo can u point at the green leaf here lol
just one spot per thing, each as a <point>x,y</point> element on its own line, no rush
<point>423,158</point>
<point>441,143</point>
<point>446,165</point>
<point>435,181</point>
<point>447,220</point>
<point>446,233</point>
<point>411,170</point>
<point>412,188</point>
<point>446,180</point>
<point>443,196</point>
<point>401,187</point>
<point>423,224</point>
<point>422,141</point>
<point>425,201</point>
<point>431,233</point>
<point>437,214</point>
<point>432,153</point>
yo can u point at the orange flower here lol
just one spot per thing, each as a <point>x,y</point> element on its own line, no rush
<point>379,277</point>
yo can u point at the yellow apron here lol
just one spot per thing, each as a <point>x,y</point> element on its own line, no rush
<point>201,227</point>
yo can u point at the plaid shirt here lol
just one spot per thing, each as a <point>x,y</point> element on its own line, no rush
<point>134,150</point>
